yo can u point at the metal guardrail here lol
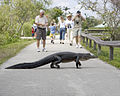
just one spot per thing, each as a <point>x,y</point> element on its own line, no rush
<point>99,42</point>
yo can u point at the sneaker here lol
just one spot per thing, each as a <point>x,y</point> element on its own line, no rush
<point>77,46</point>
<point>70,44</point>
<point>44,50</point>
<point>38,50</point>
<point>51,41</point>
<point>80,46</point>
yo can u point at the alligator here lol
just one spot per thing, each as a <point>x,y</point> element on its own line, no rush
<point>55,59</point>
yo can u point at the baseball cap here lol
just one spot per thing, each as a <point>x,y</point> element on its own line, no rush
<point>41,11</point>
<point>78,12</point>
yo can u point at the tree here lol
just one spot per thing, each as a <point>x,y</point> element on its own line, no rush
<point>91,21</point>
<point>66,9</point>
<point>54,13</point>
<point>109,12</point>
<point>14,14</point>
<point>21,9</point>
<point>116,3</point>
<point>24,10</point>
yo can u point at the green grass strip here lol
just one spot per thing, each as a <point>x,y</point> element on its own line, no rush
<point>10,50</point>
<point>104,55</point>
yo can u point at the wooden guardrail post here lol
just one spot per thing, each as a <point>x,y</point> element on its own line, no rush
<point>99,49</point>
<point>94,46</point>
<point>88,38</point>
<point>111,53</point>
<point>90,43</point>
<point>83,38</point>
<point>86,42</point>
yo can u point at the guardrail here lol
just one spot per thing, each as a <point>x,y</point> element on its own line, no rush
<point>99,42</point>
<point>97,30</point>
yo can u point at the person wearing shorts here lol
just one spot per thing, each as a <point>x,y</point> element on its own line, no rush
<point>78,28</point>
<point>41,22</point>
<point>52,28</point>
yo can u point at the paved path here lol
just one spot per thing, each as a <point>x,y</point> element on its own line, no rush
<point>96,78</point>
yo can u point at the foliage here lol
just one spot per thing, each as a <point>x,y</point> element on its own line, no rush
<point>27,29</point>
<point>13,17</point>
<point>109,12</point>
<point>54,13</point>
<point>90,22</point>
<point>22,9</point>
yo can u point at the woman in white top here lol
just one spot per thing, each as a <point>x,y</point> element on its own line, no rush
<point>62,30</point>
<point>69,25</point>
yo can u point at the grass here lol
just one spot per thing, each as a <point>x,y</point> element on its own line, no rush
<point>104,55</point>
<point>10,50</point>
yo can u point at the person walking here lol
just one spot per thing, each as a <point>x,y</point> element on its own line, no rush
<point>62,30</point>
<point>41,22</point>
<point>78,28</point>
<point>33,32</point>
<point>52,28</point>
<point>35,29</point>
<point>69,25</point>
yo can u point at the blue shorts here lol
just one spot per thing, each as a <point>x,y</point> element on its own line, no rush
<point>33,34</point>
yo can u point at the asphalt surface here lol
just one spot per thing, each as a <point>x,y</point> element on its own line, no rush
<point>95,78</point>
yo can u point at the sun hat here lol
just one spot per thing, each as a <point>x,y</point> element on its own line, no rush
<point>69,15</point>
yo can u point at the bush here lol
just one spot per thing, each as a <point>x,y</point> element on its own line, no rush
<point>7,39</point>
<point>3,39</point>
<point>27,29</point>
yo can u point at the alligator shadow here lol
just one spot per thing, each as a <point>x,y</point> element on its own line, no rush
<point>62,68</point>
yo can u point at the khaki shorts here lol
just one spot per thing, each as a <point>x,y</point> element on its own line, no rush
<point>41,33</point>
<point>77,32</point>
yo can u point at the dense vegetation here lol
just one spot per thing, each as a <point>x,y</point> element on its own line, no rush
<point>109,11</point>
<point>17,16</point>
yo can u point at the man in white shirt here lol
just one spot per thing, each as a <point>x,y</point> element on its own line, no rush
<point>41,22</point>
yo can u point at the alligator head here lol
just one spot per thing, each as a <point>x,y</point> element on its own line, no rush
<point>87,56</point>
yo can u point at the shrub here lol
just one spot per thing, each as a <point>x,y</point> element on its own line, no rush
<point>27,29</point>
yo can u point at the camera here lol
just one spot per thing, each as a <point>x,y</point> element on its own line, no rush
<point>69,26</point>
<point>77,22</point>
<point>42,14</point>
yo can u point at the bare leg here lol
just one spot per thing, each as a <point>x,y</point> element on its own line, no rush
<point>38,43</point>
<point>43,43</point>
<point>76,40</point>
<point>79,42</point>
<point>79,39</point>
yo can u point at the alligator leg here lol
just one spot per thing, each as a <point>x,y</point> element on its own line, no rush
<point>52,65</point>
<point>78,65</point>
<point>77,62</point>
<point>56,62</point>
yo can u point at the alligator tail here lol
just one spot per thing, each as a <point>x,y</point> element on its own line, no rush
<point>26,65</point>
